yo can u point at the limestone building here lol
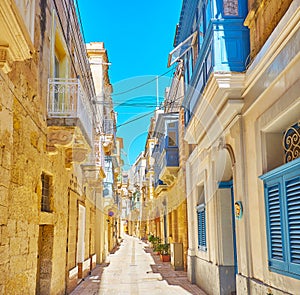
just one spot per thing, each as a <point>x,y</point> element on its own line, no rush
<point>242,111</point>
<point>164,210</point>
<point>52,160</point>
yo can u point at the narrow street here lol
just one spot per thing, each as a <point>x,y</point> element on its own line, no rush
<point>133,271</point>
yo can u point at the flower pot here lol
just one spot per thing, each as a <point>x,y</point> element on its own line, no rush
<point>165,257</point>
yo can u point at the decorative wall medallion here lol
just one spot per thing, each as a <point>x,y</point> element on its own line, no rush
<point>60,137</point>
<point>75,154</point>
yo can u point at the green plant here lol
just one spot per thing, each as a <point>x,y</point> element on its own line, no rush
<point>150,238</point>
<point>155,241</point>
<point>164,249</point>
<point>157,247</point>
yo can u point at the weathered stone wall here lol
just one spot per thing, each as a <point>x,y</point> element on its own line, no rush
<point>33,244</point>
<point>263,17</point>
<point>6,129</point>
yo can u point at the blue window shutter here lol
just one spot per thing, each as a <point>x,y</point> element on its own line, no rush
<point>282,199</point>
<point>292,187</point>
<point>274,222</point>
<point>201,229</point>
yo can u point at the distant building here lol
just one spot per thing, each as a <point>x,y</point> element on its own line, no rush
<point>109,147</point>
<point>165,207</point>
<point>136,178</point>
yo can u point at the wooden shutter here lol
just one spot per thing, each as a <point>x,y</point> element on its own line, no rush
<point>293,212</point>
<point>274,219</point>
<point>201,229</point>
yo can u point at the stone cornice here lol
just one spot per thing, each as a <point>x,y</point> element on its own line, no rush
<point>217,106</point>
<point>13,35</point>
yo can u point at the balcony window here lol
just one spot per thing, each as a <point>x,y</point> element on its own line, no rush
<point>172,139</point>
<point>108,126</point>
<point>179,51</point>
<point>172,134</point>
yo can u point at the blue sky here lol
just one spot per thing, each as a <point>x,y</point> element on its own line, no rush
<point>138,36</point>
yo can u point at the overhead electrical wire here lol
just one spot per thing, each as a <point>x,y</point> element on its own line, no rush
<point>147,114</point>
<point>143,84</point>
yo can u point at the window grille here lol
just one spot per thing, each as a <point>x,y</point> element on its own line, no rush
<point>46,194</point>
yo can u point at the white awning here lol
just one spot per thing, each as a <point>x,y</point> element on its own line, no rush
<point>181,49</point>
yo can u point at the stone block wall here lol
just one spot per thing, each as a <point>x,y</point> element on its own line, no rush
<point>263,17</point>
<point>36,246</point>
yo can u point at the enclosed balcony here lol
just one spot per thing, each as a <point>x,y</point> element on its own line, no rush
<point>167,164</point>
<point>166,153</point>
<point>93,169</point>
<point>70,117</point>
<point>109,136</point>
<point>212,48</point>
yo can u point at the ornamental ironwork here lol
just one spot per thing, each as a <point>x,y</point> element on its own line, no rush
<point>291,143</point>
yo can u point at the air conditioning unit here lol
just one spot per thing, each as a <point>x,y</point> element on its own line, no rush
<point>177,256</point>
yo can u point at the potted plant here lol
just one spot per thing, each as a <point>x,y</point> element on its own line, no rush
<point>165,252</point>
<point>156,245</point>
<point>150,239</point>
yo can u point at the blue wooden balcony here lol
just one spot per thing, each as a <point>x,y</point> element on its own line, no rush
<point>220,45</point>
<point>165,153</point>
<point>166,165</point>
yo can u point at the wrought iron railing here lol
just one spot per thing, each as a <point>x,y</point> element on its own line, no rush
<point>66,99</point>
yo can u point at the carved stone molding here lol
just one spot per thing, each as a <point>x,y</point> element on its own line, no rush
<point>169,179</point>
<point>62,137</point>
<point>93,174</point>
<point>14,34</point>
<point>75,154</point>
<point>4,59</point>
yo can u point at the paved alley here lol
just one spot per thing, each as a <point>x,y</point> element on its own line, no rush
<point>133,271</point>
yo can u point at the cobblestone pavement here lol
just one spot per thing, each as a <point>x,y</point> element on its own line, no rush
<point>134,270</point>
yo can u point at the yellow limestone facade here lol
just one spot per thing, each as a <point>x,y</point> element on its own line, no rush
<point>50,155</point>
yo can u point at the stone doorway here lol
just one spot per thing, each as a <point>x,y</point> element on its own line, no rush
<point>44,259</point>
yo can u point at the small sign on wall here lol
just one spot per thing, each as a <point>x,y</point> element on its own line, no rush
<point>238,210</point>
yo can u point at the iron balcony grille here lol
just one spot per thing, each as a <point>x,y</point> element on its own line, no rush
<point>108,126</point>
<point>66,99</point>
